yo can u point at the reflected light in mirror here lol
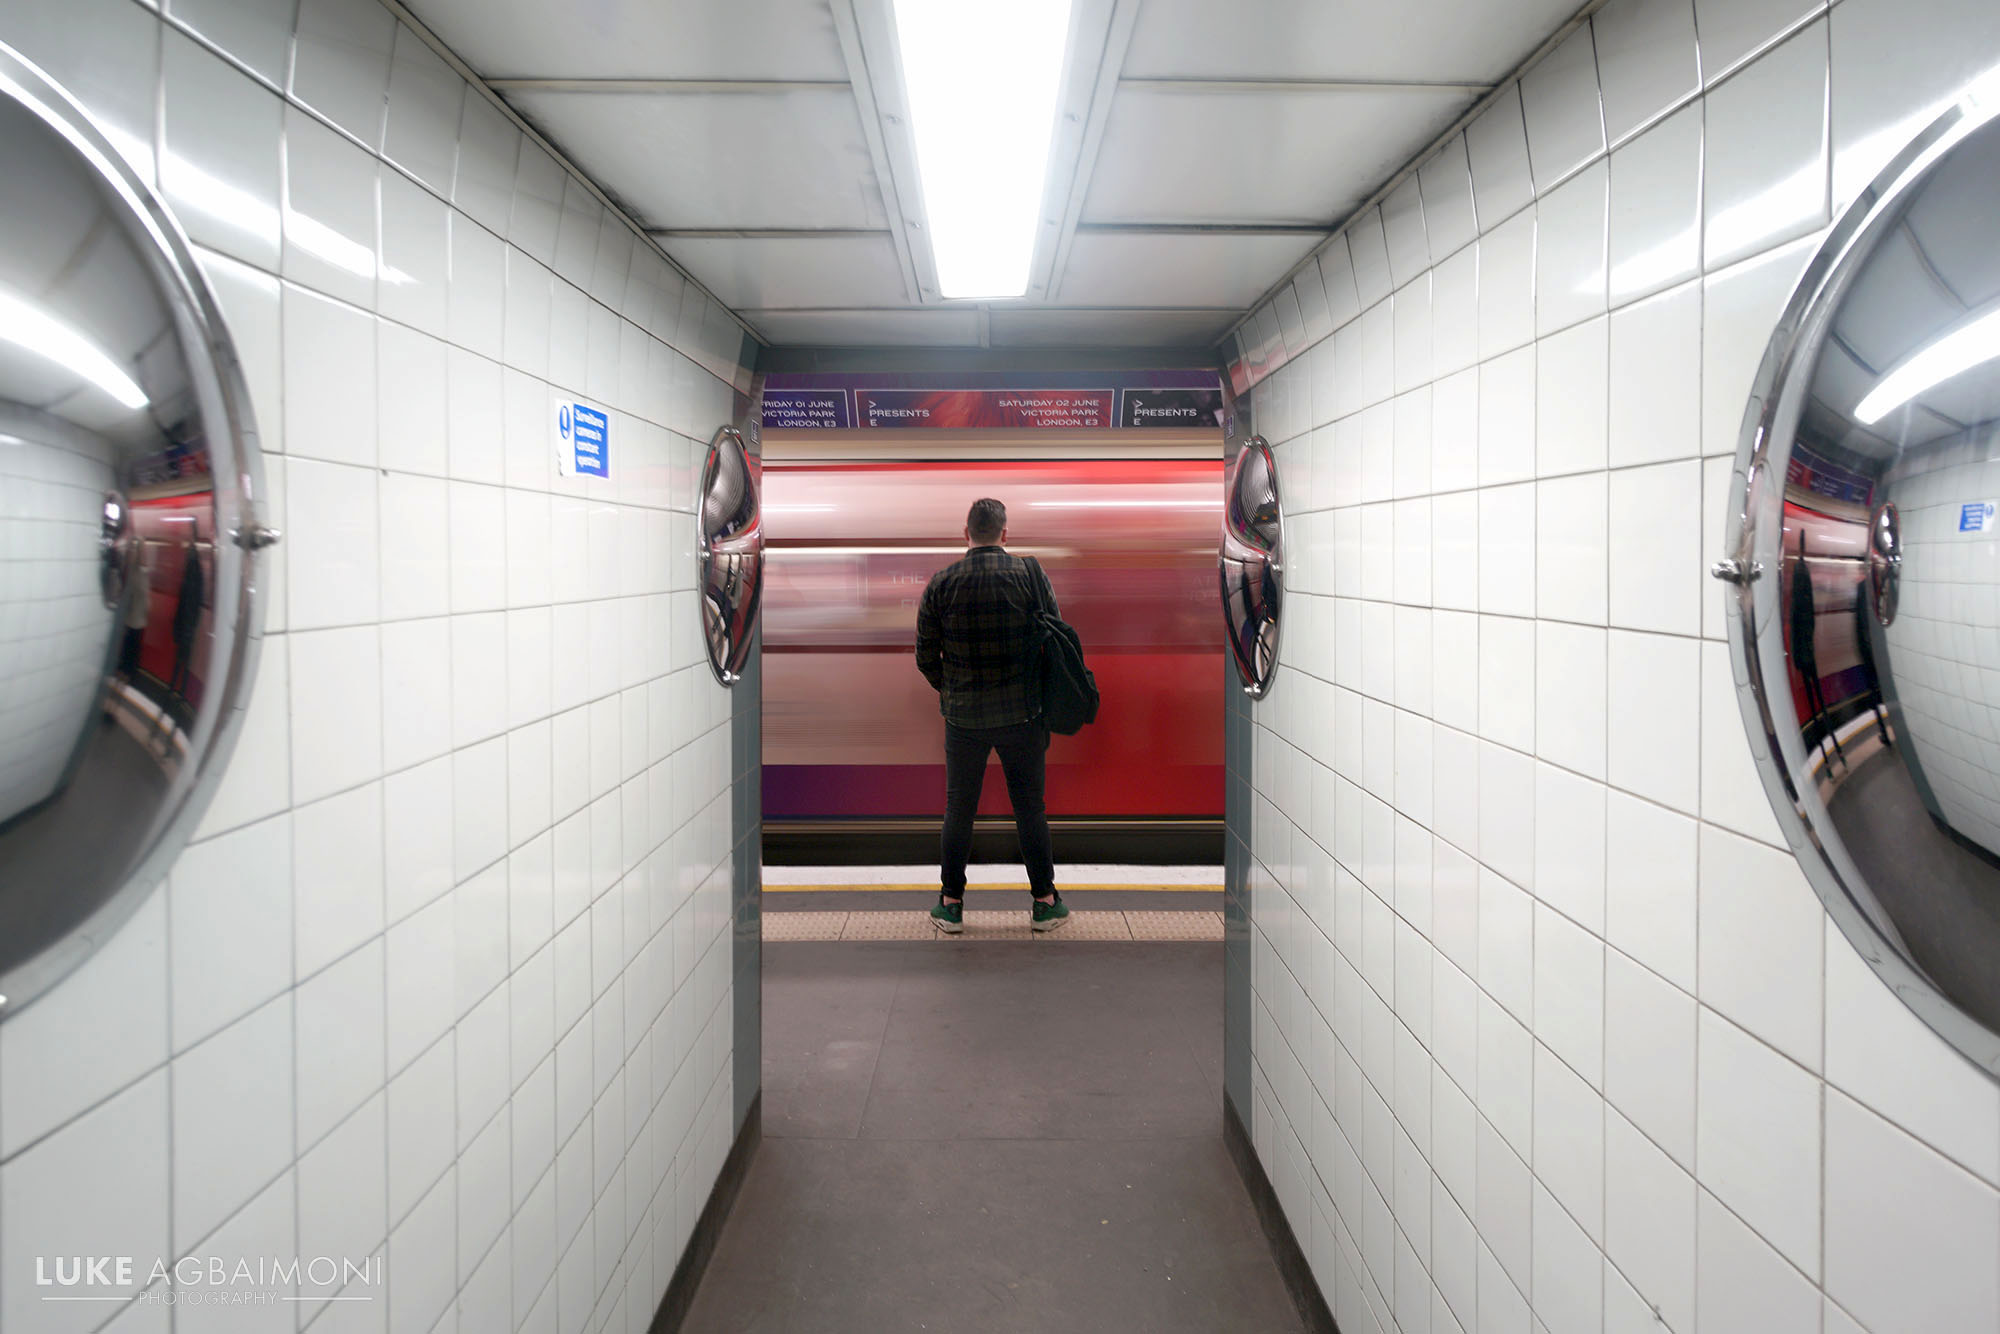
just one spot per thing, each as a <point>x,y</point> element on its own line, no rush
<point>33,329</point>
<point>1973,343</point>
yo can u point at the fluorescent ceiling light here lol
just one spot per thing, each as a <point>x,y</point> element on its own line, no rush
<point>983,78</point>
<point>1215,504</point>
<point>28,326</point>
<point>1973,342</point>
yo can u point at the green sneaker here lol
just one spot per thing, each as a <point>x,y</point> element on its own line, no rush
<point>948,917</point>
<point>1049,916</point>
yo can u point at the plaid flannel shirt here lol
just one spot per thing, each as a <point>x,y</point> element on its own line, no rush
<point>976,638</point>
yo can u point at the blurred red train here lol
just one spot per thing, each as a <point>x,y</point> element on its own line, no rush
<point>852,730</point>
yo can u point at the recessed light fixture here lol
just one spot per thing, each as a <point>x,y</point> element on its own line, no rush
<point>983,79</point>
<point>29,327</point>
<point>1972,342</point>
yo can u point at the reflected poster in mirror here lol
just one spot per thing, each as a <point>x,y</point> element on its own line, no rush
<point>128,533</point>
<point>730,531</point>
<point>1865,557</point>
<point>1252,565</point>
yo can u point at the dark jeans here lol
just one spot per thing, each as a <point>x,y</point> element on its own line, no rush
<point>1023,752</point>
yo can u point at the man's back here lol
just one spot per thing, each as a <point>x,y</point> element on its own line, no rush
<point>976,638</point>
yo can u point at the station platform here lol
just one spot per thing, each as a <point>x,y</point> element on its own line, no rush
<point>991,1139</point>
<point>1107,903</point>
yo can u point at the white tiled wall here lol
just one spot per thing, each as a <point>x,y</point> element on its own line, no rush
<point>1947,612</point>
<point>52,618</point>
<point>1550,1034</point>
<point>446,975</point>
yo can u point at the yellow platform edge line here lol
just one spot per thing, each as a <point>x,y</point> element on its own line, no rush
<point>1021,888</point>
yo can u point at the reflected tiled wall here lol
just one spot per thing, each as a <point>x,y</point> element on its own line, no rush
<point>447,975</point>
<point>1547,1031</point>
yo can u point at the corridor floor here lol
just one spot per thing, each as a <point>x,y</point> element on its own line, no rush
<point>991,1136</point>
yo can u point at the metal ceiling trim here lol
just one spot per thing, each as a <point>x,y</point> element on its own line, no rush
<point>514,118</point>
<point>847,27</point>
<point>1204,229</point>
<point>1201,85</point>
<point>766,233</point>
<point>1111,61</point>
<point>664,86</point>
<point>1409,169</point>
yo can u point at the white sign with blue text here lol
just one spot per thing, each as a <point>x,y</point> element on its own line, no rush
<point>583,440</point>
<point>1976,516</point>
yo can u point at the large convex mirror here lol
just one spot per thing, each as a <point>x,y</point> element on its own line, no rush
<point>128,535</point>
<point>730,529</point>
<point>1865,558</point>
<point>1253,590</point>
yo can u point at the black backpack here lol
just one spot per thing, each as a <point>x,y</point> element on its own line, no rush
<point>1069,689</point>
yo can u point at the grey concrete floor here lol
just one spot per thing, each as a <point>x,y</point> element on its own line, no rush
<point>1005,900</point>
<point>1001,1137</point>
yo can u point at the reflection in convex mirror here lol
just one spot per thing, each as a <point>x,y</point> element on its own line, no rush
<point>127,538</point>
<point>730,530</point>
<point>1865,555</point>
<point>1252,566</point>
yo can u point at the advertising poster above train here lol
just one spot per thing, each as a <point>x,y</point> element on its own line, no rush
<point>1060,400</point>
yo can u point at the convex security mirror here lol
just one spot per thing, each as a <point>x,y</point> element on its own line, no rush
<point>730,533</point>
<point>1253,590</point>
<point>128,538</point>
<point>1865,557</point>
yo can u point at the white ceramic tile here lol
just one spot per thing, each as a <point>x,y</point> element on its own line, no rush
<point>1764,175</point>
<point>1507,418</point>
<point>1653,709</point>
<point>1412,433</point>
<point>1455,312</point>
<point>1905,1229</point>
<point>219,167</point>
<point>1655,548</point>
<point>340,64</point>
<point>1507,550</point>
<point>478,288</point>
<point>1760,943</point>
<point>258,781</point>
<point>1745,1287</point>
<point>416,853</point>
<point>338,1013</point>
<point>422,1246</point>
<point>337,876</point>
<point>1307,289</point>
<point>93,1035</point>
<point>1413,334</point>
<point>1571,548</point>
<point>1655,384</point>
<point>1646,60</point>
<point>1740,306</point>
<point>257,36</point>
<point>342,1190</point>
<point>329,212</point>
<point>1336,266</point>
<point>1455,551</point>
<point>1569,1141</point>
<point>1649,887</point>
<point>1455,664</point>
<point>1895,67</point>
<point>479,799</point>
<point>1370,252</point>
<point>1497,146</point>
<point>1655,208</point>
<point>1732,34</point>
<point>415,265</point>
<point>1569,254</point>
<point>1757,1140</point>
<point>1572,410</point>
<point>478,677</point>
<point>1565,121</point>
<point>1507,285</point>
<point>336,710</point>
<point>1570,845</point>
<point>1507,681</point>
<point>1570,696</point>
<point>411,407</point>
<point>421,133</point>
<point>329,379</point>
<point>1649,1055</point>
<point>416,567</point>
<point>488,146</point>
<point>232,1105</point>
<point>420,982</point>
<point>96,1187</point>
<point>106,55</point>
<point>252,306</point>
<point>1403,230</point>
<point>1569,993</point>
<point>1732,791</point>
<point>1446,182</point>
<point>1649,1222</point>
<point>331,527</point>
<point>1569,1271</point>
<point>230,936</point>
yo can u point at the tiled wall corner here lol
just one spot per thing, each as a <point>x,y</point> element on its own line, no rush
<point>1541,1026</point>
<point>448,974</point>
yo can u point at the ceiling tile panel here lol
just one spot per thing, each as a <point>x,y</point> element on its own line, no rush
<point>1173,155</point>
<point>640,39</point>
<point>955,327</point>
<point>1023,327</point>
<point>745,160</point>
<point>765,273</point>
<point>1178,270</point>
<point>1416,40</point>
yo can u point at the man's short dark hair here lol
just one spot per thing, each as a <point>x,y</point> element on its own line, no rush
<point>986,520</point>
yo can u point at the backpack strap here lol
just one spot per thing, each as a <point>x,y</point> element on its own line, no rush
<point>1042,588</point>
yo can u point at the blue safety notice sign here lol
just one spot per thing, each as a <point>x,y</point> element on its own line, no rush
<point>583,440</point>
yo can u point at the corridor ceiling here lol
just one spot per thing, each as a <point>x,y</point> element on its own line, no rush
<point>1203,148</point>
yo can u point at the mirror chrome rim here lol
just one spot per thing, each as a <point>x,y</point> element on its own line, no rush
<point>1755,525</point>
<point>1251,568</point>
<point>236,471</point>
<point>738,548</point>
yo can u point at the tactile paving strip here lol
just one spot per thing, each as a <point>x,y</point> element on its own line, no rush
<point>991,925</point>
